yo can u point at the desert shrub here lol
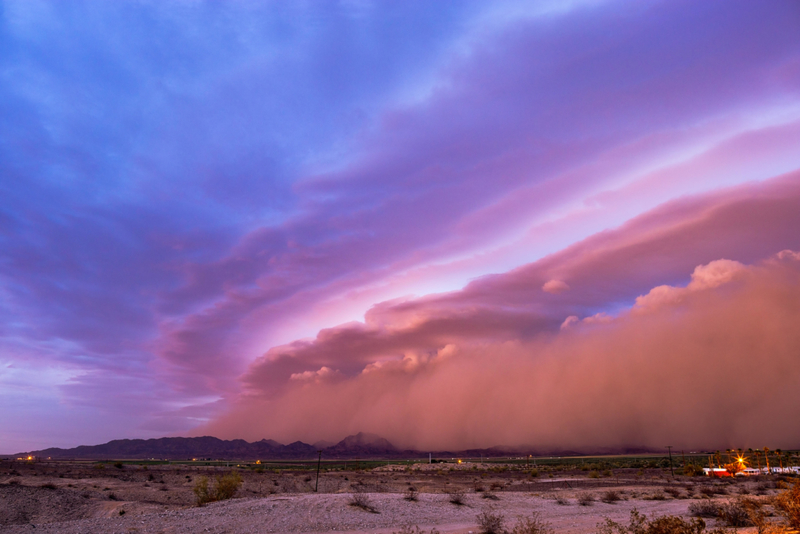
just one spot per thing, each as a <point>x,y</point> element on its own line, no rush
<point>491,523</point>
<point>228,485</point>
<point>735,514</point>
<point>491,496</point>
<point>408,529</point>
<point>610,496</point>
<point>668,524</point>
<point>674,492</point>
<point>533,473</point>
<point>411,495</point>
<point>49,485</point>
<point>636,525</point>
<point>692,470</point>
<point>671,524</point>
<point>118,465</point>
<point>361,500</point>
<point>607,473</point>
<point>456,497</point>
<point>585,499</point>
<point>787,504</point>
<point>704,508</point>
<point>594,474</point>
<point>533,524</point>
<point>710,491</point>
<point>112,497</point>
<point>561,500</point>
<point>758,516</point>
<point>225,488</point>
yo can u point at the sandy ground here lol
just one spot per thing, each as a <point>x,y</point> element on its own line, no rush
<point>63,498</point>
<point>332,513</point>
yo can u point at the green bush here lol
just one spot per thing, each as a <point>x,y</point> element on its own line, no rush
<point>225,488</point>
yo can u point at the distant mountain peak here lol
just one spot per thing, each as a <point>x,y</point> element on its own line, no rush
<point>364,441</point>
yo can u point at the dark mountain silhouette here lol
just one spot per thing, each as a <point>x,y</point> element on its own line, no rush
<point>184,448</point>
<point>361,445</point>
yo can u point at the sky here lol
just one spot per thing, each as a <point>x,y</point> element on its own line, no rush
<point>558,224</point>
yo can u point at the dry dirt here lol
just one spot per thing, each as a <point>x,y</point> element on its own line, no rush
<point>81,498</point>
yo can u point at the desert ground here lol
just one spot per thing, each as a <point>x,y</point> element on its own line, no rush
<point>114,497</point>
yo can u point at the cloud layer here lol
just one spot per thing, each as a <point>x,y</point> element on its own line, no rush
<point>505,361</point>
<point>717,367</point>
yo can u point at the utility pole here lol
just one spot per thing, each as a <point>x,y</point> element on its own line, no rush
<point>319,461</point>
<point>669,448</point>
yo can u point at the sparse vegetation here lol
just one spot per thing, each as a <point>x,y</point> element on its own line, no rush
<point>456,497</point>
<point>787,504</point>
<point>532,524</point>
<point>735,513</point>
<point>411,495</point>
<point>704,508</point>
<point>225,488</point>
<point>491,522</point>
<point>408,529</point>
<point>610,496</point>
<point>667,524</point>
<point>585,499</point>
<point>359,499</point>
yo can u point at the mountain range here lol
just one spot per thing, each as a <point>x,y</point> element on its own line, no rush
<point>361,445</point>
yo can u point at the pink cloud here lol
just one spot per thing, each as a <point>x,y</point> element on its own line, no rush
<point>709,276</point>
<point>555,287</point>
<point>503,344</point>
<point>716,369</point>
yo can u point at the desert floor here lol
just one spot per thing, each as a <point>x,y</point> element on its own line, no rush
<point>71,497</point>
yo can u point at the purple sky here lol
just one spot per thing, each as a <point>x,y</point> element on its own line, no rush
<point>210,210</point>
